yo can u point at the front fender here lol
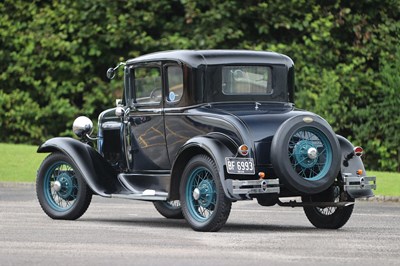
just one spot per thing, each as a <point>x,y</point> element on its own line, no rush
<point>351,166</point>
<point>214,147</point>
<point>97,172</point>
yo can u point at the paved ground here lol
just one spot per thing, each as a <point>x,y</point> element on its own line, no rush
<point>121,232</point>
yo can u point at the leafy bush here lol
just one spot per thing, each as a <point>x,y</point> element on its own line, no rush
<point>54,55</point>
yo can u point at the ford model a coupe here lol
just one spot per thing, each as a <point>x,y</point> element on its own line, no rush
<point>198,130</point>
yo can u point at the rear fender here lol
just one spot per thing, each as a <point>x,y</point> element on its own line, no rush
<point>97,172</point>
<point>351,166</point>
<point>214,147</point>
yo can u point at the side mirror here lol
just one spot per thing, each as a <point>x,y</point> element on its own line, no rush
<point>110,73</point>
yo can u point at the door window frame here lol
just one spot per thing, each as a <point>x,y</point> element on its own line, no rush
<point>133,89</point>
<point>166,82</point>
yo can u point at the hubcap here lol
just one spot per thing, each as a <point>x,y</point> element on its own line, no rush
<point>206,193</point>
<point>196,193</point>
<point>66,186</point>
<point>305,153</point>
<point>312,153</point>
<point>57,186</point>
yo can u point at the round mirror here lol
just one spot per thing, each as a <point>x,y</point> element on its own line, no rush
<point>110,73</point>
<point>82,126</point>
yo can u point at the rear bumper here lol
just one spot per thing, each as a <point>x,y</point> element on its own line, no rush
<point>355,186</point>
<point>245,188</point>
<point>359,186</point>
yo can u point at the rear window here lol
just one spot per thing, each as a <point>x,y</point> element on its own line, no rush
<point>245,80</point>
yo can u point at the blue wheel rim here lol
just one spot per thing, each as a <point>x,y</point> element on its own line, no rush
<point>202,207</point>
<point>310,153</point>
<point>64,197</point>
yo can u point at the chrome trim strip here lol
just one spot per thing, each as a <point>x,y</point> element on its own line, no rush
<point>157,196</point>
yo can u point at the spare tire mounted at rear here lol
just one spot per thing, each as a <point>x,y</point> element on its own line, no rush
<point>305,154</point>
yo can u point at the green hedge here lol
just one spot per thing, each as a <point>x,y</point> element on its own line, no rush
<point>54,54</point>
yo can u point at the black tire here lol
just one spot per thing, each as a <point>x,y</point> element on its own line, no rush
<point>204,204</point>
<point>169,209</point>
<point>60,188</point>
<point>329,217</point>
<point>305,154</point>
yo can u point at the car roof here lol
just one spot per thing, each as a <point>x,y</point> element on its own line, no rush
<point>196,58</point>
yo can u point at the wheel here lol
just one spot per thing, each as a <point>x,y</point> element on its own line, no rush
<point>329,217</point>
<point>305,154</point>
<point>204,204</point>
<point>60,188</point>
<point>169,209</point>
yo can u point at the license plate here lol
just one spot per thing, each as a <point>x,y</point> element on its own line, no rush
<point>242,166</point>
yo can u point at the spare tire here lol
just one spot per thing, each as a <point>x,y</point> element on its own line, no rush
<point>305,154</point>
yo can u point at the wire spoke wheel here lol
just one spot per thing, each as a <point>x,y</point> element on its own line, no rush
<point>60,188</point>
<point>204,204</point>
<point>174,203</point>
<point>169,209</point>
<point>201,194</point>
<point>329,217</point>
<point>310,153</point>
<point>306,155</point>
<point>330,210</point>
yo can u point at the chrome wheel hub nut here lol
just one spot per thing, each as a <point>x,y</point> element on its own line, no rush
<point>57,186</point>
<point>312,153</point>
<point>196,194</point>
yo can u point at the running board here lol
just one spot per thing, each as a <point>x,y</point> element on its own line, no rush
<point>314,204</point>
<point>139,183</point>
<point>147,195</point>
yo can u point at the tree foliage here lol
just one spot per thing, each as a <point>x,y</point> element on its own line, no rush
<point>54,54</point>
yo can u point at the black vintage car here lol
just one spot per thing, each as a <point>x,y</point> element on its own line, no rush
<point>198,130</point>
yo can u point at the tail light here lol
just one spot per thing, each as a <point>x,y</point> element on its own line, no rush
<point>243,150</point>
<point>358,151</point>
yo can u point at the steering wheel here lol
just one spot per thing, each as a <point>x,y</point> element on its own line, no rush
<point>155,93</point>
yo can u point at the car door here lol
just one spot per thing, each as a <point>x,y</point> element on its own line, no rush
<point>147,119</point>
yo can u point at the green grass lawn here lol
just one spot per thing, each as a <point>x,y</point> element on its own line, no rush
<point>387,184</point>
<point>19,163</point>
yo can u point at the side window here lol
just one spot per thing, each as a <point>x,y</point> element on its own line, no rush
<point>175,83</point>
<point>148,85</point>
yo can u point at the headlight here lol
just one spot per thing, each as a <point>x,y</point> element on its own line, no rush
<point>82,126</point>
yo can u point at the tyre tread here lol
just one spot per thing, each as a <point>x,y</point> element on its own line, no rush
<point>224,208</point>
<point>79,207</point>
